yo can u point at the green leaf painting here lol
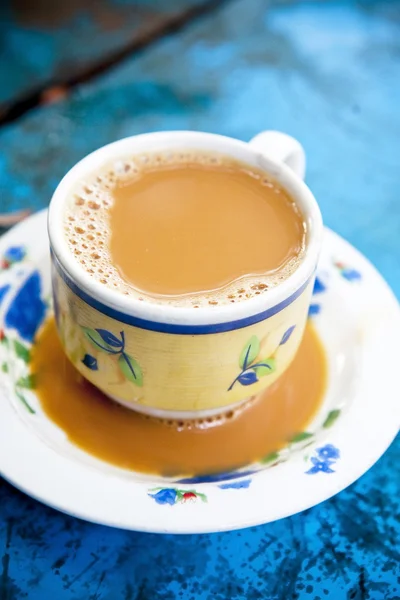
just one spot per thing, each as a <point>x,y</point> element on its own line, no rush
<point>270,458</point>
<point>249,352</point>
<point>22,399</point>
<point>22,351</point>
<point>252,366</point>
<point>112,344</point>
<point>331,418</point>
<point>95,339</point>
<point>267,366</point>
<point>301,437</point>
<point>131,369</point>
<point>28,382</point>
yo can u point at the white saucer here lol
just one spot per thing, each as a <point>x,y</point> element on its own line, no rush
<point>358,319</point>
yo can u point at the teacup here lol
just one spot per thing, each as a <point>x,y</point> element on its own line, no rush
<point>173,361</point>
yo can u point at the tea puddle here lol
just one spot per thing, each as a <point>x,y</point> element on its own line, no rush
<point>132,441</point>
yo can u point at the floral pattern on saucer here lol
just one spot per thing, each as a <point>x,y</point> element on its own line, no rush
<point>319,288</point>
<point>27,311</point>
<point>22,318</point>
<point>346,271</point>
<point>274,488</point>
<point>173,496</point>
<point>323,460</point>
<point>18,354</point>
<point>12,256</point>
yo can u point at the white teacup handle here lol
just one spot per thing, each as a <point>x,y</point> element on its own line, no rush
<point>282,148</point>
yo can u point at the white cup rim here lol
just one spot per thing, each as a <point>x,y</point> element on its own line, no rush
<point>182,315</point>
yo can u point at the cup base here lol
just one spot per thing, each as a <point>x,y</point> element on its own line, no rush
<point>178,415</point>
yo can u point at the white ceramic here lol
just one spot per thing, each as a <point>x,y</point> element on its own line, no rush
<point>186,342</point>
<point>358,319</point>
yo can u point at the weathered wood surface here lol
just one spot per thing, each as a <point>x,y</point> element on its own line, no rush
<point>46,43</point>
<point>329,74</point>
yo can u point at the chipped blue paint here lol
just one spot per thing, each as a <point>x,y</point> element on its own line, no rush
<point>328,73</point>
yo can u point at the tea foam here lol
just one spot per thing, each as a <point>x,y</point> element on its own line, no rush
<point>87,231</point>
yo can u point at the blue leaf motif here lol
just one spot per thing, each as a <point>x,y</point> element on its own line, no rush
<point>90,362</point>
<point>165,496</point>
<point>27,310</point>
<point>351,274</point>
<point>319,287</point>
<point>110,339</point>
<point>320,466</point>
<point>325,459</point>
<point>247,378</point>
<point>328,452</point>
<point>287,335</point>
<point>314,309</point>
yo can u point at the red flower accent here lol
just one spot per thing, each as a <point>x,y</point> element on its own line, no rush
<point>4,264</point>
<point>2,335</point>
<point>339,265</point>
<point>189,496</point>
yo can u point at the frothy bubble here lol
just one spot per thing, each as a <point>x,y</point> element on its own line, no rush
<point>206,422</point>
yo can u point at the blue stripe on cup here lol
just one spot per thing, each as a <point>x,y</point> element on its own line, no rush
<point>173,327</point>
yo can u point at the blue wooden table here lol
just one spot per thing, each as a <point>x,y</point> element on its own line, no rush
<point>327,73</point>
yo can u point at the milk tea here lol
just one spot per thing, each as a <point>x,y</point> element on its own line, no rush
<point>184,228</point>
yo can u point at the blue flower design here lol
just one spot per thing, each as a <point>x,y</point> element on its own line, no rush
<point>15,254</point>
<point>328,452</point>
<point>27,310</point>
<point>325,458</point>
<point>323,466</point>
<point>165,496</point>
